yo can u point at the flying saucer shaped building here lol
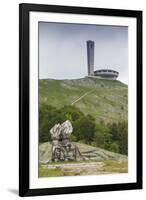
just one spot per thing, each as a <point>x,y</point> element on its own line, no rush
<point>107,74</point>
<point>101,73</point>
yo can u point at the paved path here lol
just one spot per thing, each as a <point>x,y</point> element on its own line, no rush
<point>76,165</point>
<point>82,97</point>
<point>88,168</point>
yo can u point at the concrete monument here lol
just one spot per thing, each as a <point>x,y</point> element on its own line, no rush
<point>62,147</point>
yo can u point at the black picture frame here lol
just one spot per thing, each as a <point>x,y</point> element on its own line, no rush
<point>24,10</point>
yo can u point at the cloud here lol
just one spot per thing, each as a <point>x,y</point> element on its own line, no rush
<point>63,53</point>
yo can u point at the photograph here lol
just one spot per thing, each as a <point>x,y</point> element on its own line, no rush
<point>82,99</point>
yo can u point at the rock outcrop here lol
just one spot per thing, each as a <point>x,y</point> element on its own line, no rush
<point>88,152</point>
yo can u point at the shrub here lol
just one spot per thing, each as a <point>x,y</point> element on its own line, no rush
<point>114,147</point>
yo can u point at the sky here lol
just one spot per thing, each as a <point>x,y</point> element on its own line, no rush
<point>63,50</point>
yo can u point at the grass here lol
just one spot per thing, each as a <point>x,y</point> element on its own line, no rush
<point>104,167</point>
<point>43,172</point>
<point>105,100</point>
<point>104,103</point>
<point>116,166</point>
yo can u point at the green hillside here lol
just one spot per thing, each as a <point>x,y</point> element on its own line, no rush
<point>105,100</point>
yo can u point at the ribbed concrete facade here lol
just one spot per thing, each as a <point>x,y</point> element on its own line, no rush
<point>108,74</point>
<point>90,57</point>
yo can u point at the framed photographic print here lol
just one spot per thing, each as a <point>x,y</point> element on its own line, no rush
<point>80,99</point>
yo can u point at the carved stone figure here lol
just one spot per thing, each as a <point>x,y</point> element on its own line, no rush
<point>62,147</point>
<point>72,151</point>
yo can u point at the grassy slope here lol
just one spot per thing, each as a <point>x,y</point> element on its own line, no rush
<point>105,100</point>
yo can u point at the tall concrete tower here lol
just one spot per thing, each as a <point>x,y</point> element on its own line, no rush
<point>90,57</point>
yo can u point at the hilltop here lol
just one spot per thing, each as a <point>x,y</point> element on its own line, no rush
<point>105,100</point>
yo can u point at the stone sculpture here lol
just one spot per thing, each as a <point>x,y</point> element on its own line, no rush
<point>62,148</point>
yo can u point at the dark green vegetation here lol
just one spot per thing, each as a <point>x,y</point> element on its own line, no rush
<point>97,109</point>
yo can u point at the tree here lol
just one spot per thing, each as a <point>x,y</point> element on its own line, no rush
<point>48,117</point>
<point>71,113</point>
<point>123,137</point>
<point>102,136</point>
<point>119,132</point>
<point>113,136</point>
<point>114,147</point>
<point>84,129</point>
